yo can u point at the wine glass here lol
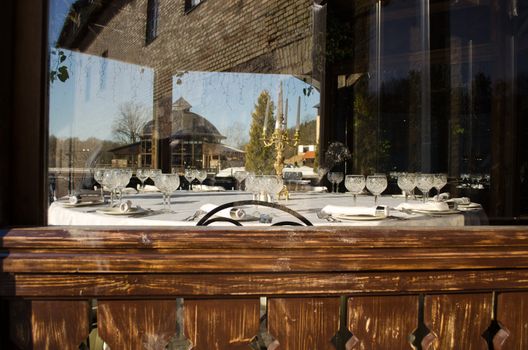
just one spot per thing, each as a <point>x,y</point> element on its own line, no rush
<point>201,175</point>
<point>154,173</point>
<point>167,184</point>
<point>240,176</point>
<point>142,174</point>
<point>440,180</point>
<point>321,172</point>
<point>110,181</point>
<point>99,176</point>
<point>190,175</point>
<point>277,186</point>
<point>424,182</point>
<point>376,184</point>
<point>355,184</point>
<point>122,179</point>
<point>330,177</point>
<point>338,178</point>
<point>407,183</point>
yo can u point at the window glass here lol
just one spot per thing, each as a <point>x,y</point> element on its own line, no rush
<point>402,112</point>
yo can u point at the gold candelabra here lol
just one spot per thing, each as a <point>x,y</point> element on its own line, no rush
<point>280,138</point>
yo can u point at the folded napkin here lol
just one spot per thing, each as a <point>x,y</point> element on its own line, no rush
<point>206,188</point>
<point>129,190</point>
<point>150,188</point>
<point>318,189</point>
<point>231,213</point>
<point>461,200</point>
<point>380,210</point>
<point>428,206</point>
<point>125,206</point>
<point>78,198</point>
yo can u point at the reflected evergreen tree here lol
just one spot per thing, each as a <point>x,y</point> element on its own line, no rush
<point>260,159</point>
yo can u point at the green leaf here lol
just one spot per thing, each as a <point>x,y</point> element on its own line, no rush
<point>62,58</point>
<point>63,74</point>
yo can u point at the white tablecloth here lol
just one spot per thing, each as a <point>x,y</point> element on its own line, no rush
<point>185,204</point>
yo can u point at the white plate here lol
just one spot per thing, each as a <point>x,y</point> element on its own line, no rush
<point>469,206</point>
<point>359,217</point>
<point>436,212</point>
<point>117,211</point>
<point>67,204</point>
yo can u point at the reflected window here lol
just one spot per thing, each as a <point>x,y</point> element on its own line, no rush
<point>191,4</point>
<point>152,20</point>
<point>321,89</point>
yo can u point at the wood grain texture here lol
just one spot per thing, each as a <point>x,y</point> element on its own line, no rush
<point>59,324</point>
<point>49,325</point>
<point>221,324</point>
<point>82,250</point>
<point>268,238</point>
<point>303,323</point>
<point>136,324</point>
<point>512,314</point>
<point>458,320</point>
<point>382,322</point>
<point>279,260</point>
<point>161,285</point>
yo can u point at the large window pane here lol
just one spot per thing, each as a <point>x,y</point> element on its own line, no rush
<point>357,87</point>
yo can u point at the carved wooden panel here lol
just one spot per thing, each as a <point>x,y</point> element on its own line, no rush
<point>221,324</point>
<point>512,314</point>
<point>457,321</point>
<point>136,324</point>
<point>60,324</point>
<point>303,323</point>
<point>382,322</point>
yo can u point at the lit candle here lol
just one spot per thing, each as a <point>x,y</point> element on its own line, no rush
<point>279,109</point>
<point>286,116</point>
<point>298,124</point>
<point>266,118</point>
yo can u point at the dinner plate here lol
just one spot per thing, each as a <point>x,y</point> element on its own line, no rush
<point>436,212</point>
<point>117,211</point>
<point>359,217</point>
<point>469,206</point>
<point>67,204</point>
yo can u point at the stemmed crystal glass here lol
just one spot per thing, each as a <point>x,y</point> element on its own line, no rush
<point>425,182</point>
<point>99,176</point>
<point>190,175</point>
<point>142,174</point>
<point>407,183</point>
<point>201,175</point>
<point>355,184</point>
<point>440,180</point>
<point>154,173</point>
<point>321,172</point>
<point>110,181</point>
<point>122,179</point>
<point>240,176</point>
<point>276,186</point>
<point>167,184</point>
<point>376,184</point>
<point>335,178</point>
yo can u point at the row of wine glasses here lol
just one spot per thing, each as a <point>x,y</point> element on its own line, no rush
<point>264,187</point>
<point>113,179</point>
<point>144,173</point>
<point>335,178</point>
<point>407,182</point>
<point>192,174</point>
<point>375,184</point>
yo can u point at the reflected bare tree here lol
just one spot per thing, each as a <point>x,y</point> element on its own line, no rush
<point>129,124</point>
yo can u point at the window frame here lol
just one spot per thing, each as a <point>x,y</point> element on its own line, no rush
<point>152,22</point>
<point>26,88</point>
